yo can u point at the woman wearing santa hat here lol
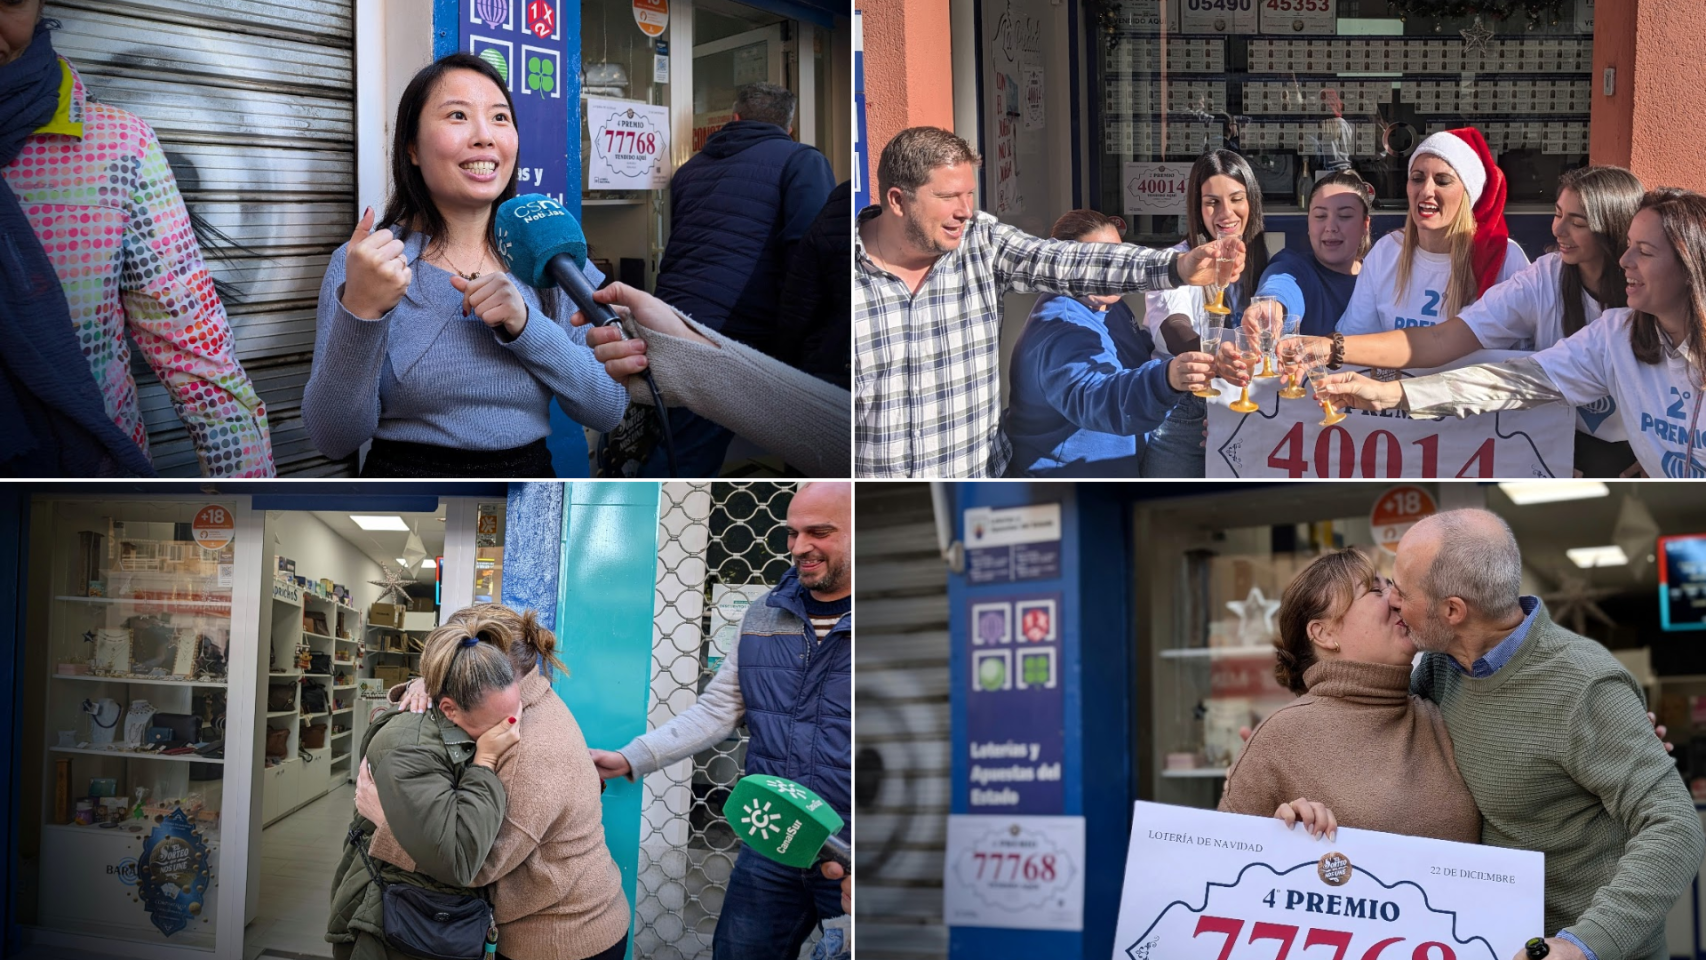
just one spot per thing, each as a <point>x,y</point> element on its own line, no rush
<point>1552,298</point>
<point>1453,247</point>
<point>1648,357</point>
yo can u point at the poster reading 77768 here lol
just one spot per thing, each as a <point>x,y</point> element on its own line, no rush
<point>1202,885</point>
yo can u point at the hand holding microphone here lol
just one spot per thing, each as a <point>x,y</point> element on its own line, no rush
<point>375,274</point>
<point>623,357</point>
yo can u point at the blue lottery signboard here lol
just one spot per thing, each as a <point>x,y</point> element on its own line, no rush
<point>861,189</point>
<point>1016,708</point>
<point>1682,582</point>
<point>527,43</point>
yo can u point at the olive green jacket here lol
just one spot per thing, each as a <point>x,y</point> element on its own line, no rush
<point>444,811</point>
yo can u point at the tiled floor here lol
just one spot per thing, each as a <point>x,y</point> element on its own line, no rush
<point>298,855</point>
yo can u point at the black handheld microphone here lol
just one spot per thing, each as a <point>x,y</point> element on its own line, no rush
<point>545,246</point>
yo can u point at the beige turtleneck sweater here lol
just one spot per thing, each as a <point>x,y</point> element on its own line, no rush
<point>557,894</point>
<point>1358,742</point>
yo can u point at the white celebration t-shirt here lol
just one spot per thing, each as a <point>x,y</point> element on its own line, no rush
<point>1526,312</point>
<point>1377,306</point>
<point>1659,403</point>
<point>1158,305</point>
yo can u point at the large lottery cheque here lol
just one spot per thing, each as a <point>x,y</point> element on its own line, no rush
<point>1201,885</point>
<point>1284,438</point>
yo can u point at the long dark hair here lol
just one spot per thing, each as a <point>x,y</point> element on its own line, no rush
<point>1682,214</point>
<point>1226,163</point>
<point>410,205</point>
<point>1610,196</point>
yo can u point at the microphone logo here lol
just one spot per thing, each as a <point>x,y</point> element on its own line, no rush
<point>788,788</point>
<point>539,210</point>
<point>761,822</point>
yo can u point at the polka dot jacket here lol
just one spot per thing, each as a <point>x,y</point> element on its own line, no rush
<point>95,185</point>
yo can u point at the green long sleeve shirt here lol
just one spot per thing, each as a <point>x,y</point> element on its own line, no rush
<point>1558,752</point>
<point>444,811</point>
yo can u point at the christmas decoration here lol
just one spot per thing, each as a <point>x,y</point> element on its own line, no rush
<point>1574,600</point>
<point>1255,618</point>
<point>391,586</point>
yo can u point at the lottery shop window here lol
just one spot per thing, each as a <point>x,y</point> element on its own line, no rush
<point>619,49</point>
<point>1305,87</point>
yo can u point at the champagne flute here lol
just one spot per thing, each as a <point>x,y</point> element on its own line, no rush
<point>1249,351</point>
<point>1290,355</point>
<point>1318,373</point>
<point>1209,332</point>
<point>1214,295</point>
<point>1266,317</point>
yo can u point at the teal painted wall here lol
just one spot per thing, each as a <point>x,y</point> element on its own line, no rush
<point>609,554</point>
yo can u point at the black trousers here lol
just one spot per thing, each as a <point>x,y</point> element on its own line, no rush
<point>1602,458</point>
<point>616,952</point>
<point>397,459</point>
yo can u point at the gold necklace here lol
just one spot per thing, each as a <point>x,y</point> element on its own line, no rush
<point>444,254</point>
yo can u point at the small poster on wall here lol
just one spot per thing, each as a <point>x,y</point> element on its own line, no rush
<point>630,145</point>
<point>1031,96</point>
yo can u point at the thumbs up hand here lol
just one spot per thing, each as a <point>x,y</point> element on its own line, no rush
<point>375,274</point>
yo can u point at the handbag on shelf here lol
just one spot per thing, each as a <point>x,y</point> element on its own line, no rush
<point>278,742</point>
<point>280,697</point>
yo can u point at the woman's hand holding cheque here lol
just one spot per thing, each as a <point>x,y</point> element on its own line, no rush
<point>1315,817</point>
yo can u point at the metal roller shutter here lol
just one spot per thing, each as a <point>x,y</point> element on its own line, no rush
<point>254,105</point>
<point>900,736</point>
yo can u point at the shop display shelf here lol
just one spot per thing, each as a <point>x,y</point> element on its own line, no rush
<point>342,733</point>
<point>317,636</point>
<point>156,601</point>
<point>312,716</point>
<point>343,686</point>
<point>135,755</point>
<point>1206,773</point>
<point>1215,653</point>
<point>341,710</point>
<point>275,714</point>
<point>286,675</point>
<point>347,640</point>
<point>154,681</point>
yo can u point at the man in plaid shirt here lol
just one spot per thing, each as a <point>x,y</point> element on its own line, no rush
<point>932,269</point>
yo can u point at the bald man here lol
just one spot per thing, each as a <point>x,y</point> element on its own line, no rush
<point>791,677</point>
<point>1552,736</point>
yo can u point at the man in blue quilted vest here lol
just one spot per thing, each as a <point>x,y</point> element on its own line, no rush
<point>791,677</point>
<point>735,211</point>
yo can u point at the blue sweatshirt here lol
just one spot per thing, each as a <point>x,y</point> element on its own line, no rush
<point>1083,391</point>
<point>1309,290</point>
<point>423,373</point>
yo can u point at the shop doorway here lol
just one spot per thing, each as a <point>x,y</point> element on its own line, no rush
<point>207,670</point>
<point>725,64</point>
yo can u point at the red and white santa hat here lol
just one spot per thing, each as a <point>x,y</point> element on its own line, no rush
<point>1467,152</point>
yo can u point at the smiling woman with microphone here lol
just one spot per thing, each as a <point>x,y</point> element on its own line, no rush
<point>426,345</point>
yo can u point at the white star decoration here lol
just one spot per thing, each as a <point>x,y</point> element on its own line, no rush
<point>1575,600</point>
<point>391,586</point>
<point>1476,35</point>
<point>1637,533</point>
<point>1255,618</point>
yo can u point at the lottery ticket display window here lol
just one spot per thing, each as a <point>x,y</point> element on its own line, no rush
<point>1305,87</point>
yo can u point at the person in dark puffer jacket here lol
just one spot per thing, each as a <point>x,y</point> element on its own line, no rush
<point>791,677</point>
<point>814,332</point>
<point>736,210</point>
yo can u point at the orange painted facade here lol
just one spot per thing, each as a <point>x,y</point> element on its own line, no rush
<point>908,70</point>
<point>1653,120</point>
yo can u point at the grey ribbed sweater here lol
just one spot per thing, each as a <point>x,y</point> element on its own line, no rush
<point>423,373</point>
<point>1558,752</point>
<point>805,420</point>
